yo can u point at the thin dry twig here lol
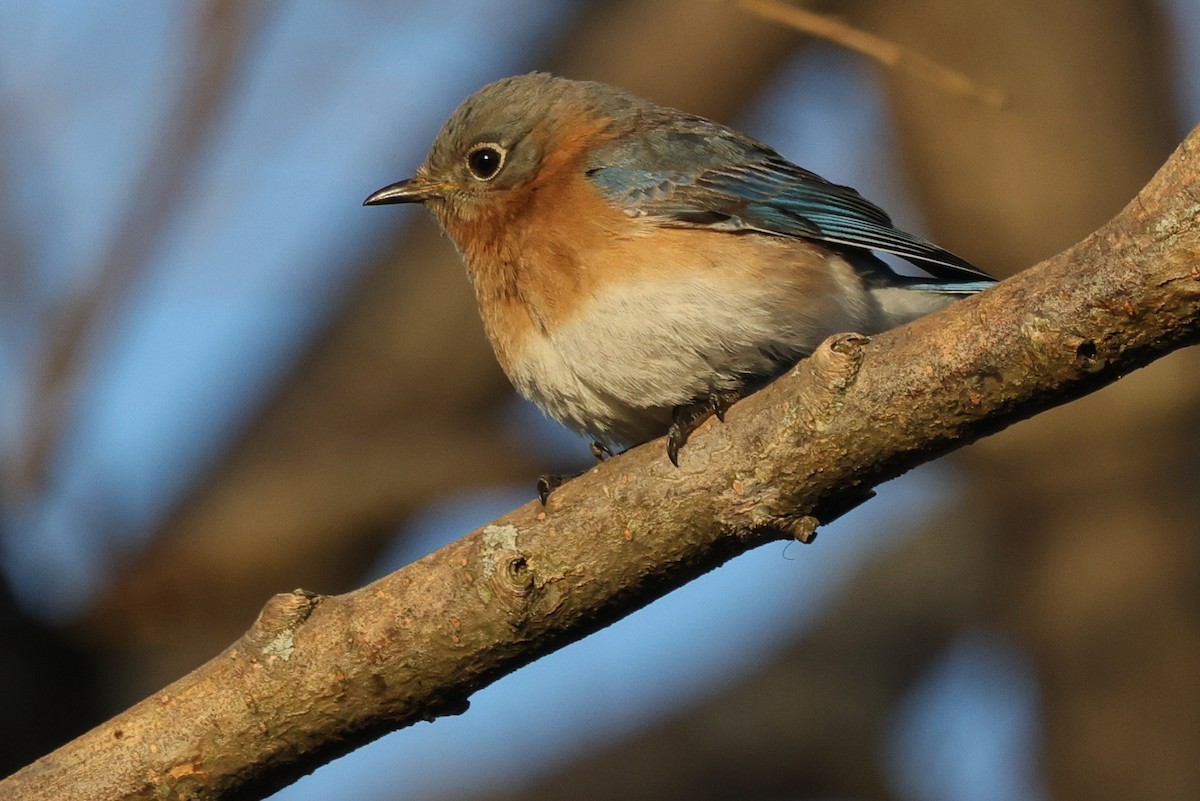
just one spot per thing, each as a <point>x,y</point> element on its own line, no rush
<point>882,50</point>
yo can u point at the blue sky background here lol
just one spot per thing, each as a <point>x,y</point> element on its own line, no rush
<point>341,99</point>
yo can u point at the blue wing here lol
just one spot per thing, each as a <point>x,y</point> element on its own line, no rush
<point>699,174</point>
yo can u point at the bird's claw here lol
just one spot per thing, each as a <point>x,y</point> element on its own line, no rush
<point>548,483</point>
<point>690,416</point>
<point>720,402</point>
<point>676,437</point>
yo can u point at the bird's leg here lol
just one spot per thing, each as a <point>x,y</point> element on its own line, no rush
<point>722,400</point>
<point>690,416</point>
<point>546,484</point>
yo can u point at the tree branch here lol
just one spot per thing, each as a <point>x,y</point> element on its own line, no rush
<point>316,676</point>
<point>882,50</point>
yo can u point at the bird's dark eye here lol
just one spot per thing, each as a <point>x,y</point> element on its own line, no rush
<point>485,160</point>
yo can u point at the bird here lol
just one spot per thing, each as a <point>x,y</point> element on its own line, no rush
<point>638,269</point>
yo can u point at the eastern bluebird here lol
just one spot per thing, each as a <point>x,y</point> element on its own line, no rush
<point>638,268</point>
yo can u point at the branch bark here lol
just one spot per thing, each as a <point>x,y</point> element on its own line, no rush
<point>813,720</point>
<point>316,676</point>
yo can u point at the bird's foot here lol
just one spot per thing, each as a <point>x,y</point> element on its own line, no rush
<point>690,416</point>
<point>720,402</point>
<point>548,483</point>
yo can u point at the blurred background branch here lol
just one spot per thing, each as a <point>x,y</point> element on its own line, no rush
<point>221,38</point>
<point>884,51</point>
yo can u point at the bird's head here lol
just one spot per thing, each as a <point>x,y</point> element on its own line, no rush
<point>501,139</point>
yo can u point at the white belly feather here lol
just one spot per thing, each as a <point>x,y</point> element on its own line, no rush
<point>616,371</point>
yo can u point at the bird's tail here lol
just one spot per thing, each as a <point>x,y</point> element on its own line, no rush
<point>906,300</point>
<point>947,287</point>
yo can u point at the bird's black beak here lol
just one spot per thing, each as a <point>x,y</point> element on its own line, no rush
<point>413,190</point>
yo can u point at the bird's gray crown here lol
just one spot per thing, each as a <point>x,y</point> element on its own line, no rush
<point>507,111</point>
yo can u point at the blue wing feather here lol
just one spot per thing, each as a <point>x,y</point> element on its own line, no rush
<point>709,176</point>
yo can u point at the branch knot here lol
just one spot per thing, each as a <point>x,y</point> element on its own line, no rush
<point>832,368</point>
<point>273,632</point>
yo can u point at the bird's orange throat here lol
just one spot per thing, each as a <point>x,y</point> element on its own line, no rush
<point>534,252</point>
